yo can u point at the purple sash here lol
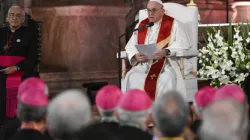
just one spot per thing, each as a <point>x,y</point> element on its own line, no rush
<point>12,83</point>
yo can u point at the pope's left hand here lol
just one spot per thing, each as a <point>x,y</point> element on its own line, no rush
<point>159,54</point>
<point>10,70</point>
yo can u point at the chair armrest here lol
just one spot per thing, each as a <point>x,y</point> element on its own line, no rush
<point>187,53</point>
<point>124,67</point>
<point>123,55</point>
<point>204,79</point>
<point>182,55</point>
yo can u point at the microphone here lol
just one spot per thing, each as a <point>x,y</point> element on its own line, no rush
<point>119,49</point>
<point>150,24</point>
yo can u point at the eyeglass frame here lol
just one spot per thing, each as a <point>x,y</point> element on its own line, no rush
<point>154,10</point>
<point>18,16</point>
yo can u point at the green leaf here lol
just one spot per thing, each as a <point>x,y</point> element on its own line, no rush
<point>243,32</point>
<point>248,27</point>
<point>230,34</point>
<point>215,83</point>
<point>205,39</point>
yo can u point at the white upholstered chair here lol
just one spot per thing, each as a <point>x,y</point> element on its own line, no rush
<point>189,17</point>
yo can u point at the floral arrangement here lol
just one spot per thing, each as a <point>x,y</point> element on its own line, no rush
<point>226,60</point>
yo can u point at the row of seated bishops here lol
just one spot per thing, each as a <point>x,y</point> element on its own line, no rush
<point>216,114</point>
<point>20,44</point>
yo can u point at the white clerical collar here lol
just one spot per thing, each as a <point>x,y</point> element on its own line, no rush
<point>157,23</point>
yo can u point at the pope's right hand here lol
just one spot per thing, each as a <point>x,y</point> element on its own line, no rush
<point>141,57</point>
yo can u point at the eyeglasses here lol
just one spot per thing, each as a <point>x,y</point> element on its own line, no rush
<point>153,10</point>
<point>18,16</point>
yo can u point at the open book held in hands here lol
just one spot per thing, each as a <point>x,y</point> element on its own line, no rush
<point>148,50</point>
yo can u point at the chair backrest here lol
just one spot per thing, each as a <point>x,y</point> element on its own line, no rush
<point>4,24</point>
<point>187,16</point>
<point>39,42</point>
<point>35,26</point>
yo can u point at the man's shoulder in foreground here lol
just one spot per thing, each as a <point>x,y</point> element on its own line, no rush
<point>28,134</point>
<point>133,133</point>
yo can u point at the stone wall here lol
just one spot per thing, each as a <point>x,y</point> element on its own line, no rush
<point>79,43</point>
<point>211,11</point>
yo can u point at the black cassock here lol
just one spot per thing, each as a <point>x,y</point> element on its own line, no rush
<point>23,42</point>
<point>133,133</point>
<point>12,127</point>
<point>28,134</point>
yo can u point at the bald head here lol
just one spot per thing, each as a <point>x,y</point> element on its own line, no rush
<point>170,113</point>
<point>224,120</point>
<point>16,16</point>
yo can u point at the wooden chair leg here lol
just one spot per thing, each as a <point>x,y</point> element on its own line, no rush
<point>124,68</point>
<point>182,67</point>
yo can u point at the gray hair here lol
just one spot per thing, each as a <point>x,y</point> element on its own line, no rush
<point>224,120</point>
<point>28,113</point>
<point>68,113</point>
<point>17,6</point>
<point>170,113</point>
<point>106,113</point>
<point>139,117</point>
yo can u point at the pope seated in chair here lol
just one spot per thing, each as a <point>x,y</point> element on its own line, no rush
<point>161,75</point>
<point>18,54</point>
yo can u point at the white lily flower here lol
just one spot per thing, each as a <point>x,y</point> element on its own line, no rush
<point>240,38</point>
<point>248,39</point>
<point>201,72</point>
<point>236,35</point>
<point>204,50</point>
<point>223,62</point>
<point>223,72</point>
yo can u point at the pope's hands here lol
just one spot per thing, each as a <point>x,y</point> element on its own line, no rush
<point>159,54</point>
<point>141,57</point>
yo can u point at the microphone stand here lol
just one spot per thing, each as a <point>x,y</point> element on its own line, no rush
<point>119,60</point>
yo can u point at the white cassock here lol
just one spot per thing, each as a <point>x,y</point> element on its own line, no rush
<point>170,77</point>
